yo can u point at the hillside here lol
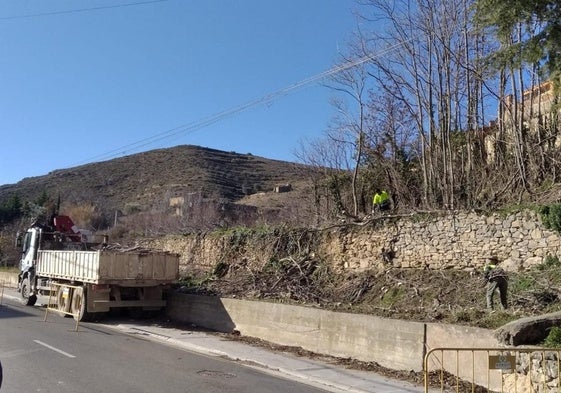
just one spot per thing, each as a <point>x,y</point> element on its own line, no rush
<point>147,180</point>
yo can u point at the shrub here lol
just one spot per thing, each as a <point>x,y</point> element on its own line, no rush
<point>549,262</point>
<point>221,269</point>
<point>467,316</point>
<point>523,283</point>
<point>553,339</point>
<point>496,320</point>
<point>551,217</point>
<point>9,269</point>
<point>393,295</point>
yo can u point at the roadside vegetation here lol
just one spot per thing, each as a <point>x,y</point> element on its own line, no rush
<point>449,296</point>
<point>9,269</point>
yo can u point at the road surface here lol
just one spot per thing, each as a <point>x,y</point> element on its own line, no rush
<point>50,356</point>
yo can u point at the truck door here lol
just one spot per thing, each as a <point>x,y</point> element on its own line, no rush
<point>30,246</point>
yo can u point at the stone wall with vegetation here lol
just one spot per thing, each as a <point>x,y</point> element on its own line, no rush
<point>460,241</point>
<point>536,371</point>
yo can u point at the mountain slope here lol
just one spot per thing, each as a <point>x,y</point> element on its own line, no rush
<point>149,179</point>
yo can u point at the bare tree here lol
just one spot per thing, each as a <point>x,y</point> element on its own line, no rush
<point>392,148</point>
<point>328,159</point>
<point>348,126</point>
<point>433,76</point>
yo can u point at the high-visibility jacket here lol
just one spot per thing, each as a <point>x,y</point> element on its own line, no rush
<point>380,198</point>
<point>494,272</point>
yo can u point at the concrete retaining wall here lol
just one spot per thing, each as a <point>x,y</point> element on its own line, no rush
<point>467,365</point>
<point>394,344</point>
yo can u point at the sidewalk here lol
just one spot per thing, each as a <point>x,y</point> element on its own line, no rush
<point>316,373</point>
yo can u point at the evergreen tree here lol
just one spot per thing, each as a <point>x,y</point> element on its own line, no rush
<point>530,31</point>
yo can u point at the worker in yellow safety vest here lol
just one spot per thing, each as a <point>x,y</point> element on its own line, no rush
<point>381,201</point>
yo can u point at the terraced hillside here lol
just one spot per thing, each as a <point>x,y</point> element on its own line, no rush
<point>148,179</point>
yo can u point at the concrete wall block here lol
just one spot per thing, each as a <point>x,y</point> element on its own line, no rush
<point>392,343</point>
<point>278,323</point>
<point>452,336</point>
<point>202,311</point>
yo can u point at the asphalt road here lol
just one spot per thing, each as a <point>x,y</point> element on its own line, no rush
<point>50,356</point>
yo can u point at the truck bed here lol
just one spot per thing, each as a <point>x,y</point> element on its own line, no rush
<point>109,267</point>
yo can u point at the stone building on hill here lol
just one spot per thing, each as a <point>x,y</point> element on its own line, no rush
<point>534,117</point>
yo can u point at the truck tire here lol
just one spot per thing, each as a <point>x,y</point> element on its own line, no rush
<point>27,297</point>
<point>62,300</point>
<point>79,305</point>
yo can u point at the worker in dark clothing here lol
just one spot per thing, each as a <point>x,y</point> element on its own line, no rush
<point>496,279</point>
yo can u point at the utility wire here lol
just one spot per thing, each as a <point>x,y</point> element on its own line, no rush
<point>81,10</point>
<point>209,120</point>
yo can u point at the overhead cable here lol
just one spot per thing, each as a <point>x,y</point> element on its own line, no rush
<point>209,120</point>
<point>73,11</point>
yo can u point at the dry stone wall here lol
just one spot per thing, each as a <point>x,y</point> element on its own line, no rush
<point>459,241</point>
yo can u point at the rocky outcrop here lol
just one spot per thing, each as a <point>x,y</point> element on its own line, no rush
<point>529,330</point>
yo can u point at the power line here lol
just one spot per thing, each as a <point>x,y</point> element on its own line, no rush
<point>209,120</point>
<point>81,10</point>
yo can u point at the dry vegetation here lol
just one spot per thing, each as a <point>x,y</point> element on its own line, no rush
<point>450,296</point>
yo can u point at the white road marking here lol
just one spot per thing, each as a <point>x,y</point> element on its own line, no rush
<point>54,349</point>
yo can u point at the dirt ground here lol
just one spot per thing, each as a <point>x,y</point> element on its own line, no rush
<point>448,296</point>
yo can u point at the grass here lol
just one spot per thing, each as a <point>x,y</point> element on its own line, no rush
<point>9,269</point>
<point>522,283</point>
<point>393,295</point>
<point>497,319</point>
<point>553,339</point>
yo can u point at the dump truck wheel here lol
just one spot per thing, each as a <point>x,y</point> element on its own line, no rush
<point>63,301</point>
<point>27,297</point>
<point>78,306</point>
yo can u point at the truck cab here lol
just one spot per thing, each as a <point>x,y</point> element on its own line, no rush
<point>29,244</point>
<point>61,233</point>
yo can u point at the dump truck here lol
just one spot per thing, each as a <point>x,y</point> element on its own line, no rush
<point>85,277</point>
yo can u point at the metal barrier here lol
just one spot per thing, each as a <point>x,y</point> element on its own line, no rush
<point>518,370</point>
<point>64,296</point>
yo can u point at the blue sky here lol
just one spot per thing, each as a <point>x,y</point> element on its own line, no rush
<point>83,81</point>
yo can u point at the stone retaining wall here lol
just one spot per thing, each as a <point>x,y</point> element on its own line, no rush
<point>460,241</point>
<point>536,371</point>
